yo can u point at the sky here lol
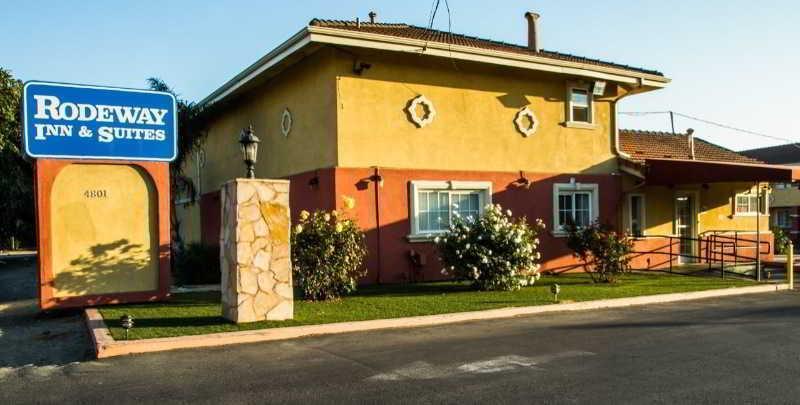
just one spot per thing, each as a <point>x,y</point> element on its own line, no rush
<point>733,62</point>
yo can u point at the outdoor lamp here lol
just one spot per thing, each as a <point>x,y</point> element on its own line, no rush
<point>249,142</point>
<point>126,321</point>
<point>555,289</point>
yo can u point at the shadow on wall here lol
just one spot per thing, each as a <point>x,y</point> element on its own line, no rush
<point>118,266</point>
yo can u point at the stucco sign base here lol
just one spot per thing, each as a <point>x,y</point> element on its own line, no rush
<point>107,346</point>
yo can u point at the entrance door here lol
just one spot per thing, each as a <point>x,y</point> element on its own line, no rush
<point>685,226</point>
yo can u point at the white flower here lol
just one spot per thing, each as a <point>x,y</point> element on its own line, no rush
<point>304,214</point>
<point>339,227</point>
<point>436,239</point>
<point>485,260</point>
<point>538,255</point>
<point>327,217</point>
<point>298,229</point>
<point>508,212</point>
<point>468,246</point>
<point>444,272</point>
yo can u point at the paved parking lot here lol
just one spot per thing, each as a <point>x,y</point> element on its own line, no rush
<point>28,339</point>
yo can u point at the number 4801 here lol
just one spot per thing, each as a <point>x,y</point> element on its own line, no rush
<point>95,194</point>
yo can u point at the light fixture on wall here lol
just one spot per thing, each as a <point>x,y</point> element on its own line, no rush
<point>377,178</point>
<point>314,181</point>
<point>599,88</point>
<point>249,142</point>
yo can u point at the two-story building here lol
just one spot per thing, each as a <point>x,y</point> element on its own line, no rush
<point>784,204</point>
<point>416,124</point>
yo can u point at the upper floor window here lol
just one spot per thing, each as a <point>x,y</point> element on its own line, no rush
<point>747,204</point>
<point>434,203</point>
<point>580,104</point>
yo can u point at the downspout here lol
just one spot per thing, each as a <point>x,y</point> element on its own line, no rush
<point>619,152</point>
<point>377,181</point>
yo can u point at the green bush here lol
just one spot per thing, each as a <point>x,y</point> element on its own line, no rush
<point>606,254</point>
<point>781,240</point>
<point>328,252</point>
<point>494,251</point>
<point>196,263</point>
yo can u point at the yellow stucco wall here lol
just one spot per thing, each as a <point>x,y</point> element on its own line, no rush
<point>473,128</point>
<point>307,89</point>
<point>715,209</point>
<point>106,240</point>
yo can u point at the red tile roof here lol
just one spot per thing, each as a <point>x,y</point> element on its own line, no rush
<point>431,35</point>
<point>642,145</point>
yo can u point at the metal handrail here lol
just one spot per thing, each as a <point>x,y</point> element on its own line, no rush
<point>716,250</point>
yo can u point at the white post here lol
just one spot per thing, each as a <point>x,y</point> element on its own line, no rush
<point>790,265</point>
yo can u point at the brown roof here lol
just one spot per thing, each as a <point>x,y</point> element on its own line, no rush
<point>643,145</point>
<point>431,35</point>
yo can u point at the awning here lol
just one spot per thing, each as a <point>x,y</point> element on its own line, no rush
<point>678,171</point>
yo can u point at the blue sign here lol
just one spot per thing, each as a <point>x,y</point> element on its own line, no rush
<point>71,121</point>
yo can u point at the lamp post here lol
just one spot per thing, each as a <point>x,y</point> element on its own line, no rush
<point>249,142</point>
<point>126,321</point>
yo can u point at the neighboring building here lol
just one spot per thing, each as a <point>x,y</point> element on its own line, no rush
<point>408,121</point>
<point>785,202</point>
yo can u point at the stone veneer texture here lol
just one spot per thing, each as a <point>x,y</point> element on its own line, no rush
<point>254,251</point>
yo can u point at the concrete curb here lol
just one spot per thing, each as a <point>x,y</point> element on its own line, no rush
<point>106,346</point>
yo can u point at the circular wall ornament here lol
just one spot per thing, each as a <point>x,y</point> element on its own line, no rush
<point>286,122</point>
<point>526,122</point>
<point>424,117</point>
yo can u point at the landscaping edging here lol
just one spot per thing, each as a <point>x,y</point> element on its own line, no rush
<point>106,346</point>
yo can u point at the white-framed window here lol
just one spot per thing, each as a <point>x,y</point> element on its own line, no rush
<point>579,104</point>
<point>636,214</point>
<point>574,202</point>
<point>747,203</point>
<point>783,218</point>
<point>434,203</point>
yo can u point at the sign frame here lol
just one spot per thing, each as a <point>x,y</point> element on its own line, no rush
<point>25,134</point>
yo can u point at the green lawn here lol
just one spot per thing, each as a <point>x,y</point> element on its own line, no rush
<point>199,313</point>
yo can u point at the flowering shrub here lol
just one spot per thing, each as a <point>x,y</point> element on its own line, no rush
<point>328,253</point>
<point>608,252</point>
<point>494,251</point>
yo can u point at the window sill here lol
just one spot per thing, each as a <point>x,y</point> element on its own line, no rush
<point>422,237</point>
<point>580,125</point>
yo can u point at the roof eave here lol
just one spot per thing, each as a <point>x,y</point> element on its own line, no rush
<point>333,36</point>
<point>281,52</point>
<point>416,46</point>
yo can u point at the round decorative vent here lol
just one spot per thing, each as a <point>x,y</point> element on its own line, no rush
<point>286,122</point>
<point>421,111</point>
<point>526,122</point>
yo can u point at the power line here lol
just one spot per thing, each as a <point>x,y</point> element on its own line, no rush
<point>714,123</point>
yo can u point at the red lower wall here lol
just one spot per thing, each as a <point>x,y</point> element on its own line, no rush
<point>382,211</point>
<point>385,215</point>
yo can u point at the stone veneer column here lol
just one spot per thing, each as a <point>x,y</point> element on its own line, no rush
<point>254,251</point>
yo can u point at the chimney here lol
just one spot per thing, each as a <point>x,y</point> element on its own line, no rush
<point>690,138</point>
<point>372,16</point>
<point>534,42</point>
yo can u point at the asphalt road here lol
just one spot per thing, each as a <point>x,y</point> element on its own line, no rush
<point>737,349</point>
